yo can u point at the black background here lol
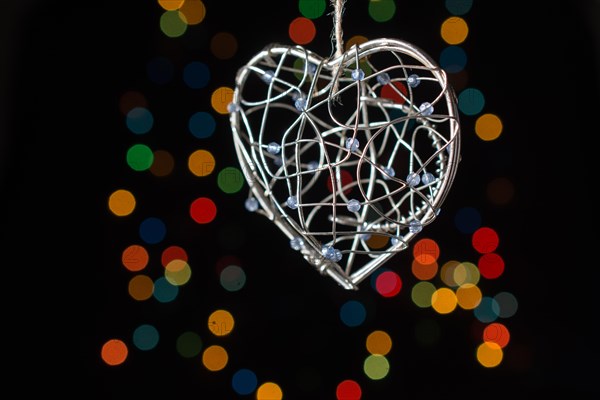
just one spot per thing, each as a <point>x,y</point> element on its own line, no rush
<point>63,140</point>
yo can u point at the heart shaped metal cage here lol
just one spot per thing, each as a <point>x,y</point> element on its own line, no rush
<point>350,157</point>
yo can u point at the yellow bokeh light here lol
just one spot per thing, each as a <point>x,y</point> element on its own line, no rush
<point>121,202</point>
<point>221,322</point>
<point>269,391</point>
<point>215,358</point>
<point>192,12</point>
<point>379,342</point>
<point>444,301</point>
<point>201,163</point>
<point>488,127</point>
<point>141,287</point>
<point>468,296</point>
<point>358,39</point>
<point>489,354</point>
<point>454,30</point>
<point>178,272</point>
<point>170,5</point>
<point>221,98</point>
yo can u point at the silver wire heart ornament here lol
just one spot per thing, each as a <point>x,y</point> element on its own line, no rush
<point>350,157</point>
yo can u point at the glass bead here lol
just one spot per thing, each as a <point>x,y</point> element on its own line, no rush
<point>353,205</point>
<point>292,202</point>
<point>251,204</point>
<point>427,178</point>
<point>413,179</point>
<point>415,226</point>
<point>389,173</point>
<point>267,76</point>
<point>232,107</point>
<point>358,74</point>
<point>273,148</point>
<point>312,166</point>
<point>384,78</point>
<point>337,256</point>
<point>328,252</point>
<point>297,243</point>
<point>352,144</point>
<point>300,104</point>
<point>413,80</point>
<point>426,109</point>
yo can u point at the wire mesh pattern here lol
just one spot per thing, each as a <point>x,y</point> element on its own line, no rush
<point>351,157</point>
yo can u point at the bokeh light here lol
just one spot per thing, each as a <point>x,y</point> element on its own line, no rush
<point>454,30</point>
<point>312,8</point>
<point>348,390</point>
<point>443,300</point>
<point>172,25</point>
<point>489,354</point>
<point>388,284</point>
<point>426,251</point>
<point>121,202</point>
<point>215,358</point>
<point>201,163</point>
<point>487,310</point>
<point>302,30</point>
<point>491,265</point>
<point>471,101</point>
<point>376,367</point>
<point>459,7</point>
<point>497,333</point>
<point>468,296</point>
<point>132,99</point>
<point>145,337</point>
<point>232,278</point>
<point>152,230</point>
<point>353,313</point>
<point>424,272</point>
<point>192,12</point>
<point>453,59</point>
<point>421,294</point>
<point>135,257</point>
<point>170,5</point>
<point>244,381</point>
<point>139,120</point>
<point>382,10</point>
<point>163,163</point>
<point>196,75</point>
<point>221,322</point>
<point>488,127</point>
<point>171,253</point>
<point>379,342</point>
<point>188,344</point>
<point>164,291</point>
<point>178,272</point>
<point>114,352</point>
<point>507,304</point>
<point>141,287</point>
<point>223,45</point>
<point>203,210</point>
<point>202,125</point>
<point>221,98</point>
<point>230,180</point>
<point>485,240</point>
<point>139,157</point>
<point>269,391</point>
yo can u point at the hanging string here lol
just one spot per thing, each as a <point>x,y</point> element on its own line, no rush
<point>338,10</point>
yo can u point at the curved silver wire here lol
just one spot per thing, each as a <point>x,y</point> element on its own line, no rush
<point>295,117</point>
